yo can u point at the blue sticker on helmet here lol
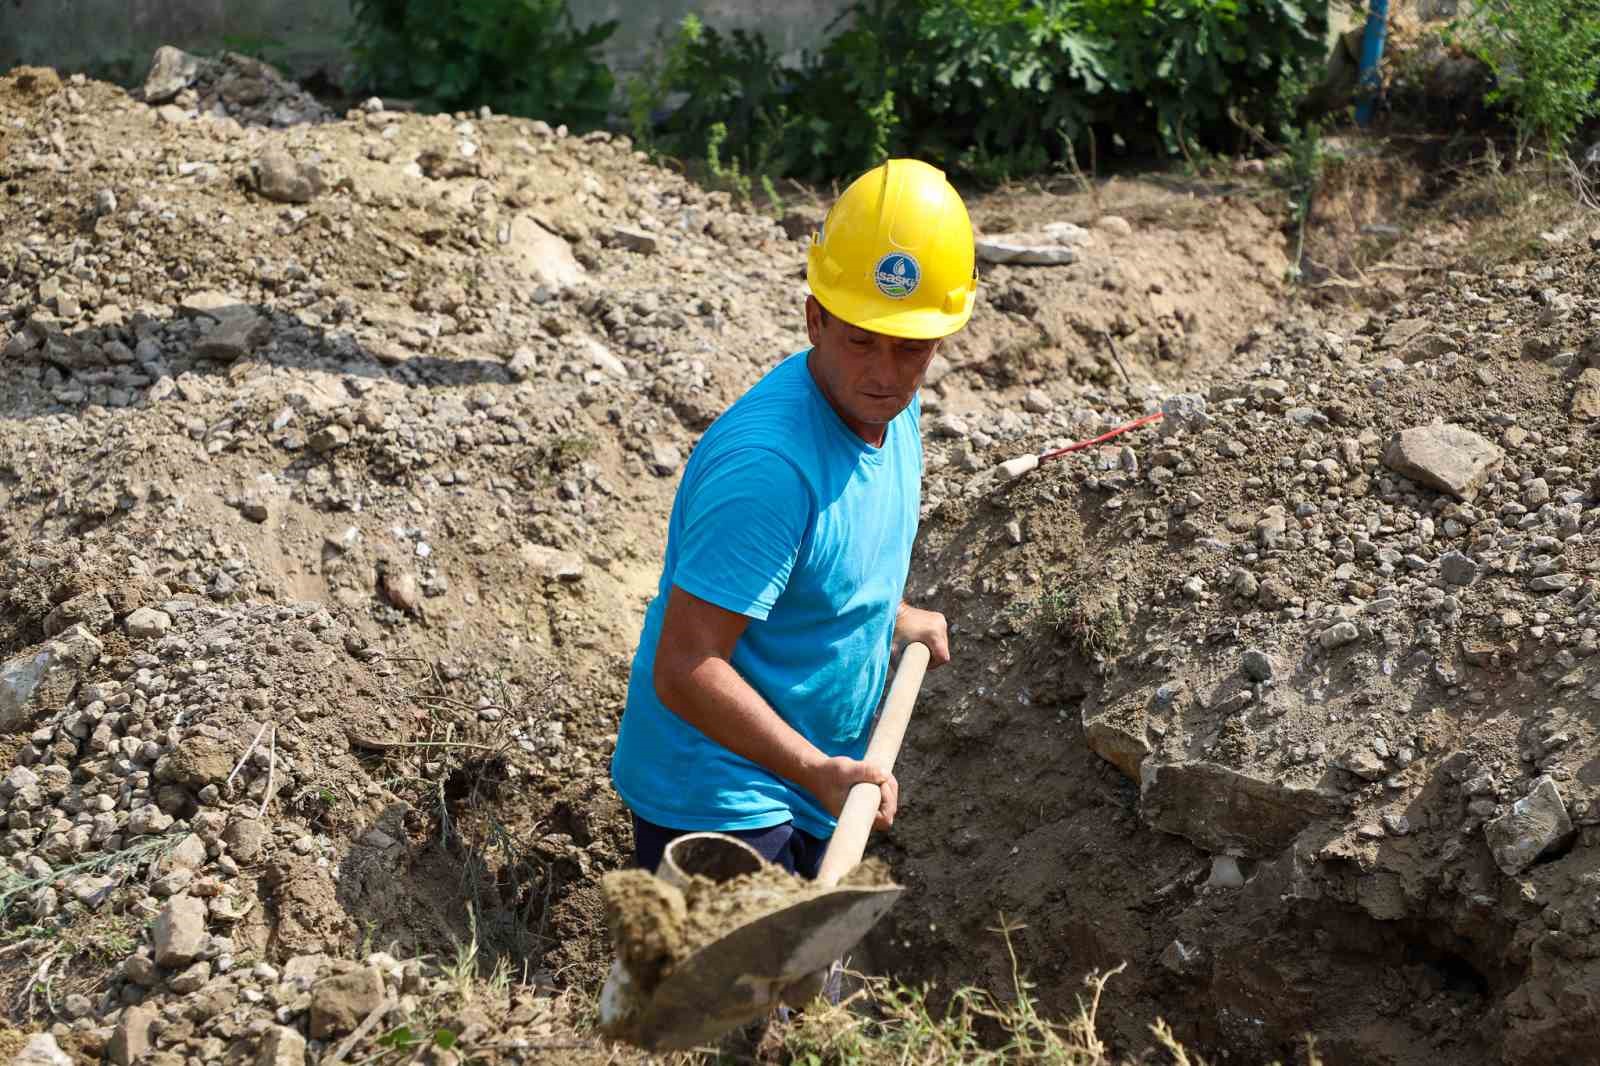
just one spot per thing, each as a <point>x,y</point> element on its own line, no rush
<point>898,275</point>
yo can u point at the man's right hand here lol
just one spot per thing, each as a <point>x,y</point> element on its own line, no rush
<point>831,780</point>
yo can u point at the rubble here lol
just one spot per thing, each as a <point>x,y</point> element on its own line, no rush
<point>329,508</point>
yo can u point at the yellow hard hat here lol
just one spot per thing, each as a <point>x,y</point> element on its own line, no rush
<point>895,254</point>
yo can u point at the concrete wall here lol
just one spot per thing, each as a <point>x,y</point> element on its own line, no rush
<point>115,38</point>
<point>791,25</point>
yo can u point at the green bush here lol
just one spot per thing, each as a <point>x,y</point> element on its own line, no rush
<point>520,57</point>
<point>989,88</point>
<point>1545,57</point>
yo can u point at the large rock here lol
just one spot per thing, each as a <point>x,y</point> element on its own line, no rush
<point>340,1002</point>
<point>1225,811</point>
<point>171,72</point>
<point>180,932</point>
<point>1535,825</point>
<point>45,678</point>
<point>1446,457</point>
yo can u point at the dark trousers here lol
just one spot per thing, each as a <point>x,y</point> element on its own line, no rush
<point>794,849</point>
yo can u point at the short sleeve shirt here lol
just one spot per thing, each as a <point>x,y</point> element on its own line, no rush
<point>787,516</point>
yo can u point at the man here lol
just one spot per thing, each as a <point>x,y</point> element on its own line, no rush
<point>765,654</point>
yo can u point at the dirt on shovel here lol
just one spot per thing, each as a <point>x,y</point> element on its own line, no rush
<point>654,925</point>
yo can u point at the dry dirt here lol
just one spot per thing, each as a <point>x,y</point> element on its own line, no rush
<point>380,479</point>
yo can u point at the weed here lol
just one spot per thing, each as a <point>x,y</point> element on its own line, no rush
<point>1092,622</point>
<point>16,886</point>
<point>1545,57</point>
<point>1304,145</point>
<point>900,1026</point>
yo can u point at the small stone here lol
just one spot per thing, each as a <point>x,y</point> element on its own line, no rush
<point>42,1050</point>
<point>1225,872</point>
<point>132,1038</point>
<point>635,240</point>
<point>1553,582</point>
<point>1457,569</point>
<point>340,1002</point>
<point>147,623</point>
<point>281,1046</point>
<point>190,979</point>
<point>1339,634</point>
<point>171,71</point>
<point>665,458</point>
<point>248,839</point>
<point>1014,532</point>
<point>190,854</point>
<point>237,336</point>
<point>255,508</point>
<point>1535,825</point>
<point>1183,411</point>
<point>180,932</point>
<point>281,177</point>
<point>552,563</point>
<point>1364,763</point>
<point>1445,457</point>
<point>148,820</point>
<point>400,589</point>
<point>329,438</point>
<point>522,364</point>
<point>1037,401</point>
<point>1244,583</point>
<point>1023,251</point>
<point>1274,594</point>
<point>1257,665</point>
<point>1586,395</point>
<point>1119,227</point>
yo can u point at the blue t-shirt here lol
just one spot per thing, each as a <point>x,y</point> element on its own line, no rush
<point>787,516</point>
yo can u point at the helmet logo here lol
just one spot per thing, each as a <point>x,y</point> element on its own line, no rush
<point>898,275</point>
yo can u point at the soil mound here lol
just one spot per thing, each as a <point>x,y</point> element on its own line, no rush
<point>335,460</point>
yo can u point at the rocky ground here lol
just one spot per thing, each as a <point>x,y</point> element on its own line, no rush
<point>335,460</point>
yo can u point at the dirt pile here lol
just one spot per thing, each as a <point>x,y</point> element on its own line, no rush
<point>1335,628</point>
<point>350,445</point>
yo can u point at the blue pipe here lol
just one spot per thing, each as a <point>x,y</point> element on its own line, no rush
<point>1368,83</point>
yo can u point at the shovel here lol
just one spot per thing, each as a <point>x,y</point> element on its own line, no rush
<point>780,955</point>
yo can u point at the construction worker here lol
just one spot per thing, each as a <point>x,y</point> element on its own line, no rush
<point>766,651</point>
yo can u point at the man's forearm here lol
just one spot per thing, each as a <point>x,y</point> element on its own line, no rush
<point>711,695</point>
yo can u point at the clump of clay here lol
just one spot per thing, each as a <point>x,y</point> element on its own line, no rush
<point>654,925</point>
<point>646,918</point>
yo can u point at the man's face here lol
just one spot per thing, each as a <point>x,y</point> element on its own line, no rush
<point>868,377</point>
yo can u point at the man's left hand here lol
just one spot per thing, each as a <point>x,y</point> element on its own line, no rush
<point>928,627</point>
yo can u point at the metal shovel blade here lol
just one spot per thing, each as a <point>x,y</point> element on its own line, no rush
<point>743,974</point>
<point>739,977</point>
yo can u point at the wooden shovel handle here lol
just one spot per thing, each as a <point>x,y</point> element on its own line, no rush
<point>861,806</point>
